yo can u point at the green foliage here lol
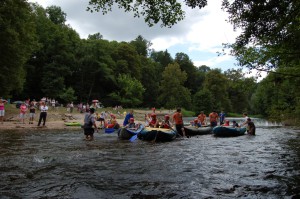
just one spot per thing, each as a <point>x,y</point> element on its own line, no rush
<point>130,92</point>
<point>217,84</point>
<point>202,101</point>
<point>172,90</point>
<point>68,95</point>
<point>169,12</point>
<point>17,42</point>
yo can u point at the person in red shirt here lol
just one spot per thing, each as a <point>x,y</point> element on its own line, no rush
<point>213,118</point>
<point>154,122</point>
<point>177,119</point>
<point>23,110</point>
<point>166,123</point>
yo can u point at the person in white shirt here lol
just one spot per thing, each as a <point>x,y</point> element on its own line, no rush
<point>43,114</point>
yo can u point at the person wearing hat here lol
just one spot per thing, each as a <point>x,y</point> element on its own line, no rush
<point>89,122</point>
<point>153,121</point>
<point>166,123</point>
<point>132,125</point>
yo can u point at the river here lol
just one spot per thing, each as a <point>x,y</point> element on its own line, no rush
<point>60,164</point>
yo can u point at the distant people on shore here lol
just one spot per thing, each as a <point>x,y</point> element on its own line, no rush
<point>31,112</point>
<point>23,110</point>
<point>2,110</point>
<point>43,113</point>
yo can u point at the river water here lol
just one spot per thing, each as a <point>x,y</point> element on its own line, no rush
<point>60,164</point>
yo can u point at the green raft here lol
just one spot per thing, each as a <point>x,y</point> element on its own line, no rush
<point>72,124</point>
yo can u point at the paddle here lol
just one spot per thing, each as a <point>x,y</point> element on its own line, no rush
<point>133,138</point>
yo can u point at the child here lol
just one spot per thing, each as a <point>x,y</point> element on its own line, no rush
<point>23,109</point>
<point>31,112</point>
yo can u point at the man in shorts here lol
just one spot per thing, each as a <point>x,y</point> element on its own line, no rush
<point>89,122</point>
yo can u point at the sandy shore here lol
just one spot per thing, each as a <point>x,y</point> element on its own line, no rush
<point>57,121</point>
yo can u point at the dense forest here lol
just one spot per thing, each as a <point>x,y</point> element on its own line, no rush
<point>42,56</point>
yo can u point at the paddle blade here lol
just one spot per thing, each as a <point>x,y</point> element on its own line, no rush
<point>133,138</point>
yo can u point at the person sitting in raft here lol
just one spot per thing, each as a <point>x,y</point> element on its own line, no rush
<point>166,123</point>
<point>226,123</point>
<point>132,125</point>
<point>153,121</point>
<point>127,117</point>
<point>196,123</point>
<point>113,123</point>
<point>235,124</point>
<point>202,118</point>
<point>251,127</point>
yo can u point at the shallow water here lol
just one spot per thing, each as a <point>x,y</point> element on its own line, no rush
<point>60,164</point>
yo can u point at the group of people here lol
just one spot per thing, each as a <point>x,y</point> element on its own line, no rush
<point>214,117</point>
<point>151,120</point>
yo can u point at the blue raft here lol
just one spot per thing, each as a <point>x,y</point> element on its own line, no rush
<point>126,134</point>
<point>228,131</point>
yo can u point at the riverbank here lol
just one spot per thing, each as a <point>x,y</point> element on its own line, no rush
<point>56,119</point>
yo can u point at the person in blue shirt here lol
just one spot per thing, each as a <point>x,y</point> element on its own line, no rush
<point>222,117</point>
<point>127,117</point>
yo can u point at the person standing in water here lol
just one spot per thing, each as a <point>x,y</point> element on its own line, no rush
<point>89,122</point>
<point>177,119</point>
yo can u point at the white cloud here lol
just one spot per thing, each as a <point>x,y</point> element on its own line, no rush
<point>202,31</point>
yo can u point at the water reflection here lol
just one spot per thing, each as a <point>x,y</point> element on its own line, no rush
<point>60,164</point>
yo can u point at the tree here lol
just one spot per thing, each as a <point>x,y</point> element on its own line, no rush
<point>169,12</point>
<point>202,101</point>
<point>270,32</point>
<point>240,90</point>
<point>187,65</point>
<point>130,92</point>
<point>141,46</point>
<point>172,91</point>
<point>164,58</point>
<point>17,42</point>
<point>217,84</point>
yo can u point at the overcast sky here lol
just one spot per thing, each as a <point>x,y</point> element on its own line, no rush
<point>200,35</point>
